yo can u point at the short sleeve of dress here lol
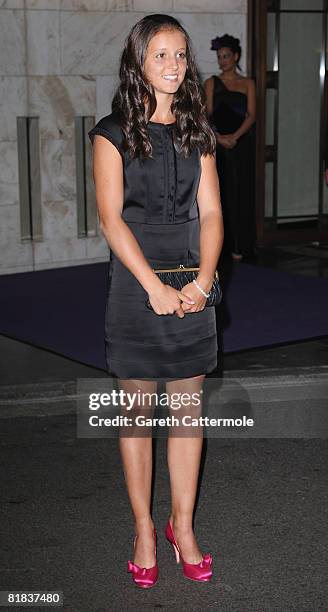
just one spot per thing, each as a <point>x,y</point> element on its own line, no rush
<point>109,128</point>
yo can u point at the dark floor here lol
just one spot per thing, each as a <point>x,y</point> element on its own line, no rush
<point>24,364</point>
<point>262,509</point>
<point>308,259</point>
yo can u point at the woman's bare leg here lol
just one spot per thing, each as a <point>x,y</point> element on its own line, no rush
<point>136,454</point>
<point>183,456</point>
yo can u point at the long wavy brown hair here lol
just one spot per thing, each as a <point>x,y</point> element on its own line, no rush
<point>192,129</point>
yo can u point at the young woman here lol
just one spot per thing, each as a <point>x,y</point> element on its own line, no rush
<point>159,206</point>
<point>231,108</point>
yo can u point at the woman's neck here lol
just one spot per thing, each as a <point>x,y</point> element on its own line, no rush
<point>230,75</point>
<point>163,113</point>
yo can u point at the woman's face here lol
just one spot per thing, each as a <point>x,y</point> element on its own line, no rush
<point>165,62</point>
<point>227,59</point>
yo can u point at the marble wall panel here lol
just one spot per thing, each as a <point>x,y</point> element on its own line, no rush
<point>57,100</point>
<point>62,264</point>
<point>153,6</point>
<point>12,4</point>
<point>210,6</point>
<point>203,28</point>
<point>105,90</point>
<point>15,255</point>
<point>58,169</point>
<point>9,225</point>
<point>97,248</point>
<point>9,191</point>
<point>102,47</point>
<point>43,4</point>
<point>11,269</point>
<point>12,43</point>
<point>92,42</point>
<point>79,5</point>
<point>59,220</point>
<point>16,258</point>
<point>13,103</point>
<point>53,253</point>
<point>43,33</point>
<point>97,5</point>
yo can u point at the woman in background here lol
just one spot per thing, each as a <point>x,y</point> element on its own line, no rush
<point>231,109</point>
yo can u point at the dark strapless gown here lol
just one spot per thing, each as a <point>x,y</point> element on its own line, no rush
<point>160,208</point>
<point>236,169</point>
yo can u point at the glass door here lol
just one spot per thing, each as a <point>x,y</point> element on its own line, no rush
<point>290,63</point>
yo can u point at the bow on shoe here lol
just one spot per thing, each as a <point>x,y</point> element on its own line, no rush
<point>142,576</point>
<point>206,562</point>
<point>135,569</point>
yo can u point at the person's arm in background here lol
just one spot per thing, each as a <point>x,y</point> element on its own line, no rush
<point>251,111</point>
<point>209,92</point>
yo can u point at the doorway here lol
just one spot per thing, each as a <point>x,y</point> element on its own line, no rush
<point>287,56</point>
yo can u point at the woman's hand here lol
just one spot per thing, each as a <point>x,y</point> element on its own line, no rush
<point>167,300</point>
<point>197,297</point>
<point>228,141</point>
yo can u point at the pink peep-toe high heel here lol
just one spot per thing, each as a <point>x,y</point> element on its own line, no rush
<point>144,577</point>
<point>201,571</point>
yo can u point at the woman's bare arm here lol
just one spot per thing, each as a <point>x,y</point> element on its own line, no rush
<point>251,110</point>
<point>109,196</point>
<point>211,221</point>
<point>209,92</point>
<point>211,232</point>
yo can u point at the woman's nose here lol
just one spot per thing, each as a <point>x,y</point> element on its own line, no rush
<point>173,64</point>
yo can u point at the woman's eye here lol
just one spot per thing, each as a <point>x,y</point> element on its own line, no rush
<point>181,55</point>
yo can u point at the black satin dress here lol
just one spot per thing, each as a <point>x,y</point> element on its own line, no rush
<point>160,208</point>
<point>235,169</point>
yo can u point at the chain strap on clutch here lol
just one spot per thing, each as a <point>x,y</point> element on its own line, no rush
<point>181,276</point>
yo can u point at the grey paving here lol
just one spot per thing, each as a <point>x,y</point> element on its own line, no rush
<point>65,522</point>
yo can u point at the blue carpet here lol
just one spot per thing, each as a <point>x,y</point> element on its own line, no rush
<point>63,309</point>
